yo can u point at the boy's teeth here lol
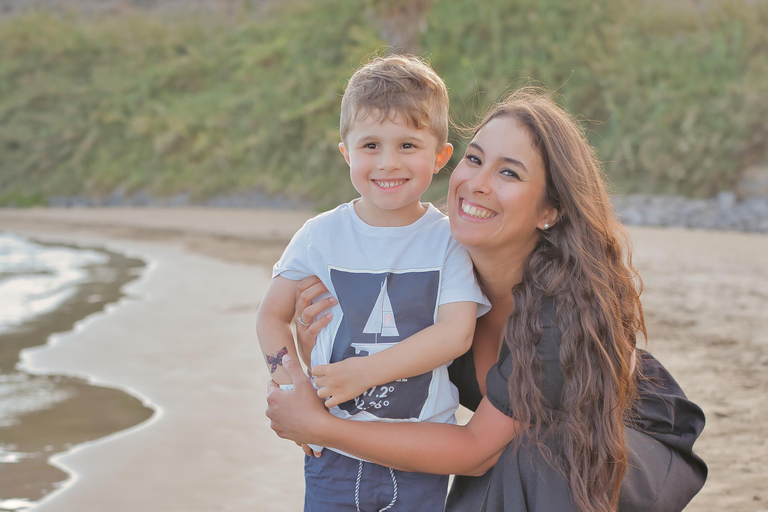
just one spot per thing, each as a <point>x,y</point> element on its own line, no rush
<point>473,211</point>
<point>389,184</point>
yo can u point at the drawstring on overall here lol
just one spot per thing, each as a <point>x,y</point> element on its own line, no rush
<point>357,488</point>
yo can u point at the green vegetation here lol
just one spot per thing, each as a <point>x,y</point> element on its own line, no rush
<point>225,104</point>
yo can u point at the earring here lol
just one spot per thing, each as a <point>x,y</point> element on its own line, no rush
<point>546,226</point>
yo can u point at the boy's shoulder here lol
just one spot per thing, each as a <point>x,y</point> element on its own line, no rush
<point>434,214</point>
<point>433,221</point>
<point>330,217</point>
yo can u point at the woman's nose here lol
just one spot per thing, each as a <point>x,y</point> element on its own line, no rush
<point>478,182</point>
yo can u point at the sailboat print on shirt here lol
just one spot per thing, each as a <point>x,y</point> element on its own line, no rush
<point>381,322</point>
<point>378,310</point>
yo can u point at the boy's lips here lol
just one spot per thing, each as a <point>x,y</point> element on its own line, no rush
<point>475,211</point>
<point>389,183</point>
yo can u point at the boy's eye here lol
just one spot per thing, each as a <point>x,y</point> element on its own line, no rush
<point>408,145</point>
<point>370,145</point>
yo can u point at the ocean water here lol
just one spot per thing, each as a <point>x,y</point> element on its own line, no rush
<point>46,289</point>
<point>35,278</point>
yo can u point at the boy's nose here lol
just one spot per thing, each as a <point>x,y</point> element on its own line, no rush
<point>389,161</point>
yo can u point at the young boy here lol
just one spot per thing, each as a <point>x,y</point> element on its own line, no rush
<point>402,284</point>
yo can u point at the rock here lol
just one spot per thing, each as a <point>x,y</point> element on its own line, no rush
<point>141,198</point>
<point>726,200</point>
<point>179,200</point>
<point>724,212</point>
<point>117,198</point>
<point>753,182</point>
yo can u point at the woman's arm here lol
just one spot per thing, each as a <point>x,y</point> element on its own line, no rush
<point>314,312</point>
<point>426,447</point>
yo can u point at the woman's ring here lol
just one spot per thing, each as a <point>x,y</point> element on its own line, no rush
<point>298,319</point>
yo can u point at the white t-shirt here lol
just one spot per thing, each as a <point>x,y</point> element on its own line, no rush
<point>389,282</point>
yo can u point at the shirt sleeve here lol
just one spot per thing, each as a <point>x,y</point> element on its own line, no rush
<point>458,282</point>
<point>548,348</point>
<point>294,264</point>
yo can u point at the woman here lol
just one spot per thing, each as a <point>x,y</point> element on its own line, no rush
<point>553,367</point>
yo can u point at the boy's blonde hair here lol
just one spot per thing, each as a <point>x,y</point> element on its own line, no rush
<point>397,84</point>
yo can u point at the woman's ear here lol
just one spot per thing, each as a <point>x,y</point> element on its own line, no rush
<point>442,157</point>
<point>549,218</point>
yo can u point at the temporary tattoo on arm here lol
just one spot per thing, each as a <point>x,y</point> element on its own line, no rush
<point>276,360</point>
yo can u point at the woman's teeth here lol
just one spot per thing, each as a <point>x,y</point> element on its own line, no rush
<point>389,184</point>
<point>476,212</point>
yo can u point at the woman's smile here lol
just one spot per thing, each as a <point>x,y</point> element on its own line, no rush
<point>474,211</point>
<point>496,190</point>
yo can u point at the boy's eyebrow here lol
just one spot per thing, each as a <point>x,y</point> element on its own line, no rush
<point>503,158</point>
<point>404,137</point>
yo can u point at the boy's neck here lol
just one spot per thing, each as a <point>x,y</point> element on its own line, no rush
<point>379,218</point>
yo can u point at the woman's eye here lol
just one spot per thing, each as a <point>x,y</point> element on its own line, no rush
<point>472,158</point>
<point>510,173</point>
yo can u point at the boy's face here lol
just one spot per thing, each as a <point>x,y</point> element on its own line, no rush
<point>391,164</point>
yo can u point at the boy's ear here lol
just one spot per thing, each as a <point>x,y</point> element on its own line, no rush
<point>344,151</point>
<point>443,155</point>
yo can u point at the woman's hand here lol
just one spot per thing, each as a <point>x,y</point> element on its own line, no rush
<point>298,414</point>
<point>307,327</point>
<point>342,381</point>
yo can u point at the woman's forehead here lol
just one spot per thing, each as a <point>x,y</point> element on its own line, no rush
<point>504,138</point>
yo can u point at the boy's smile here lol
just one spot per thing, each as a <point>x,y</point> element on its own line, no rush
<point>389,183</point>
<point>391,164</point>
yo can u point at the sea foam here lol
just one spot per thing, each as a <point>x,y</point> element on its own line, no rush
<point>35,278</point>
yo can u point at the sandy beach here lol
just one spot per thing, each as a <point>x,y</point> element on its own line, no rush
<point>183,341</point>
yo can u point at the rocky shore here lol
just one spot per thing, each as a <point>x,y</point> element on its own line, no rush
<point>724,212</point>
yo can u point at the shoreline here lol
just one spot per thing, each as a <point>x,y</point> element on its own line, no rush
<point>743,209</point>
<point>705,298</point>
<point>58,400</point>
<point>236,472</point>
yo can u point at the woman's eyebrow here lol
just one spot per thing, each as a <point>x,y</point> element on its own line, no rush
<point>476,146</point>
<point>503,158</point>
<point>514,162</point>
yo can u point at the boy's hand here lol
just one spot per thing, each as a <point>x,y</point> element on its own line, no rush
<point>342,381</point>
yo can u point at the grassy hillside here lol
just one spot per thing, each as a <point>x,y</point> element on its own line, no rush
<point>235,103</point>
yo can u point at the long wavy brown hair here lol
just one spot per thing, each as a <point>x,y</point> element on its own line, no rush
<point>583,262</point>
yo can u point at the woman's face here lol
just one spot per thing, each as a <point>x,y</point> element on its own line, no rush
<point>495,196</point>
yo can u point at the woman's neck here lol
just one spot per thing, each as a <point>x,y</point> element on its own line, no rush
<point>498,275</point>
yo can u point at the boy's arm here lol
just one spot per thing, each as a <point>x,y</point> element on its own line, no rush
<point>273,326</point>
<point>438,344</point>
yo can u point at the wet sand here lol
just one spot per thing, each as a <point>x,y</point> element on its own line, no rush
<point>184,341</point>
<point>48,414</point>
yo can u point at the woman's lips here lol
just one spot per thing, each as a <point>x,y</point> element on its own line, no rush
<point>475,211</point>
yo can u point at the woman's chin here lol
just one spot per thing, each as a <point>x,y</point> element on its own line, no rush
<point>468,238</point>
